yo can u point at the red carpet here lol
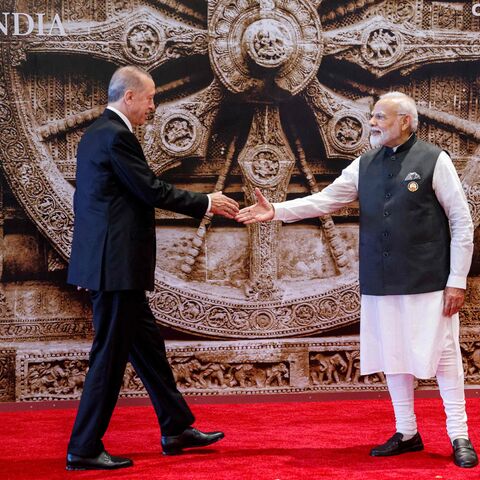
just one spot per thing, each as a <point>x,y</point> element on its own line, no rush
<point>264,441</point>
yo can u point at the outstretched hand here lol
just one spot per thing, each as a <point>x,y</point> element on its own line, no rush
<point>222,205</point>
<point>262,211</point>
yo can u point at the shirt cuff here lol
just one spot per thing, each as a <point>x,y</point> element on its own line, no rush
<point>457,281</point>
<point>209,204</point>
<point>277,212</point>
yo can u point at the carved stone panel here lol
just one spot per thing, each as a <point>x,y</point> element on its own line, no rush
<point>42,311</point>
<point>7,375</point>
<point>57,371</point>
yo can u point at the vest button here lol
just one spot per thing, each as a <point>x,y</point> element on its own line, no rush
<point>388,195</point>
<point>390,175</point>
<point>386,254</point>
<point>386,213</point>
<point>385,234</point>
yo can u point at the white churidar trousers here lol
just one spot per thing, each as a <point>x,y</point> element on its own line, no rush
<point>450,382</point>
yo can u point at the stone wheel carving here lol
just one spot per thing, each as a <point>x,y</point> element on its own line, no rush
<point>266,55</point>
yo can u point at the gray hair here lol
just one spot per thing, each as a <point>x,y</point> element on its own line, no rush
<point>126,78</point>
<point>407,105</point>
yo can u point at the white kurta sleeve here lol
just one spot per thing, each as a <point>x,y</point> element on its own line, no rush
<point>451,196</point>
<point>339,193</point>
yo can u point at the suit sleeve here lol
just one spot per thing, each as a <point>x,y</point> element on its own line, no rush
<point>131,168</point>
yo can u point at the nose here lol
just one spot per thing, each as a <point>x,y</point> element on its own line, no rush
<point>372,121</point>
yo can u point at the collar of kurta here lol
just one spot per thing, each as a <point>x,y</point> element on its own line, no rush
<point>403,147</point>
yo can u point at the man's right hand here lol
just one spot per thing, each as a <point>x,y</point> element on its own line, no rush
<point>262,211</point>
<point>222,205</point>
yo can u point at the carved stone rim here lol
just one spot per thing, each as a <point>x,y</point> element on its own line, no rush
<point>170,313</point>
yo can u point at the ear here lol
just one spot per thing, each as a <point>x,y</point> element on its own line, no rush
<point>406,122</point>
<point>128,96</point>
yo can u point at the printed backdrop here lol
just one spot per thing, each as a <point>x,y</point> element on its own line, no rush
<point>274,94</point>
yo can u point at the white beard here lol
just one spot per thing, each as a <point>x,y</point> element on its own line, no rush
<point>377,140</point>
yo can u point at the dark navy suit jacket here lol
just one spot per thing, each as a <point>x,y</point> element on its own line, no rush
<point>116,194</point>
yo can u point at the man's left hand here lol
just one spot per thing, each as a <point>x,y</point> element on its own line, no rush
<point>453,299</point>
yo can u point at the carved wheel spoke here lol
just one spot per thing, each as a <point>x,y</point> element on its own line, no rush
<point>199,238</point>
<point>429,114</point>
<point>183,130</point>
<point>64,125</point>
<point>381,47</point>
<point>142,38</point>
<point>266,162</point>
<point>343,124</point>
<point>335,242</point>
<point>76,120</point>
<point>184,9</point>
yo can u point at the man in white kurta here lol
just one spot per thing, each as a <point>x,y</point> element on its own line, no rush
<point>407,335</point>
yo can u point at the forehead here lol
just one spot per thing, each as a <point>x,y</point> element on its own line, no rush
<point>385,106</point>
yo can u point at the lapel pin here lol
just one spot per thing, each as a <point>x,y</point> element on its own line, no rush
<point>412,186</point>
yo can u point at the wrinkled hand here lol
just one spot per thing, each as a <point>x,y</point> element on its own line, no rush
<point>262,211</point>
<point>222,205</point>
<point>452,300</point>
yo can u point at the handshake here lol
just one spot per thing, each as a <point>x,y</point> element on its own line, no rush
<point>262,211</point>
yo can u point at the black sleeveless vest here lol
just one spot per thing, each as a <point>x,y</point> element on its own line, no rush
<point>404,232</point>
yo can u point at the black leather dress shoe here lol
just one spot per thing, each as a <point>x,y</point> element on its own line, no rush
<point>464,454</point>
<point>395,446</point>
<point>103,461</point>
<point>190,437</point>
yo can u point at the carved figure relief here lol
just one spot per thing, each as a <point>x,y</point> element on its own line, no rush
<point>193,373</point>
<point>179,132</point>
<point>340,368</point>
<point>382,46</point>
<point>62,378</point>
<point>143,42</point>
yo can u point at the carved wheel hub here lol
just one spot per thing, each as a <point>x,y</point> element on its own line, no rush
<point>284,36</point>
<point>268,43</point>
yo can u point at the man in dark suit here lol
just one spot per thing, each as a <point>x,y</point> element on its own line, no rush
<point>113,256</point>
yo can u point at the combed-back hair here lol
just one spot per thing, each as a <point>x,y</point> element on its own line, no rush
<point>125,78</point>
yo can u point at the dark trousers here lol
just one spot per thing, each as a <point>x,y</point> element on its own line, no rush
<point>125,330</point>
